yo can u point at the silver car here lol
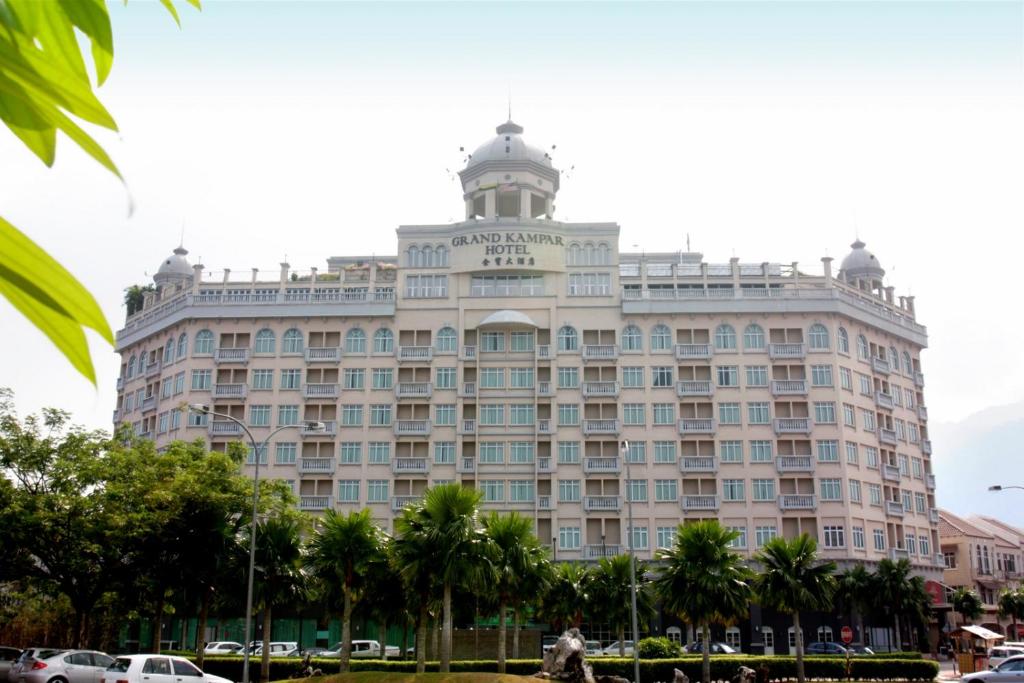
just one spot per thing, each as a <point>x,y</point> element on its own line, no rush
<point>8,656</point>
<point>33,653</point>
<point>70,666</point>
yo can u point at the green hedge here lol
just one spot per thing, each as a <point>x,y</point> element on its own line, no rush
<point>906,667</point>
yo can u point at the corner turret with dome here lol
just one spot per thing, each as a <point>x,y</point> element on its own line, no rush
<point>507,178</point>
<point>861,269</point>
<point>175,270</point>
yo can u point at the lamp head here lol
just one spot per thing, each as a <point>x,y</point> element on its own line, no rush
<point>317,427</point>
<point>200,408</point>
<point>996,487</point>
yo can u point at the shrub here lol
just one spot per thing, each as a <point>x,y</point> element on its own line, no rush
<point>659,648</point>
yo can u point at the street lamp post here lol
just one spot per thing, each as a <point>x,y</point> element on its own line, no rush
<point>997,487</point>
<point>632,566</point>
<point>256,450</point>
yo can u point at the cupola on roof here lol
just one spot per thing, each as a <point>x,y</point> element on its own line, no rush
<point>175,267</point>
<point>508,145</point>
<point>860,263</point>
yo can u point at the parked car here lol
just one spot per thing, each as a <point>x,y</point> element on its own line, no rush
<point>364,649</point>
<point>8,656</point>
<point>155,669</point>
<point>222,647</point>
<point>998,655</point>
<point>1010,670</point>
<point>32,653</point>
<point>824,648</point>
<point>594,649</point>
<point>68,666</point>
<point>548,642</point>
<point>717,648</point>
<point>860,650</point>
<point>613,649</point>
<point>277,649</point>
<point>313,651</point>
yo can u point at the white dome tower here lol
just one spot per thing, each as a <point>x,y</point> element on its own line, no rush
<point>174,270</point>
<point>507,178</point>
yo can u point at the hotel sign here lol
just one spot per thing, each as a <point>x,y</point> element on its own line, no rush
<point>507,249</point>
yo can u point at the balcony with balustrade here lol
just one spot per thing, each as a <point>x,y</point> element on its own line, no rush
<point>309,430</point>
<point>602,426</point>
<point>545,389</point>
<point>320,466</point>
<point>412,427</point>
<point>410,466</point>
<point>798,501</point>
<point>887,436</point>
<point>467,427</point>
<point>689,387</point>
<point>600,389</point>
<point>789,387</point>
<point>696,425</point>
<point>597,551</point>
<point>467,353</point>
<point>698,464</point>
<point>544,502</point>
<point>883,400</point>
<point>323,354</point>
<point>120,383</point>
<point>926,446</point>
<point>543,351</point>
<point>314,503</point>
<point>929,482</point>
<point>933,516</point>
<point>693,351</point>
<point>922,413</point>
<point>919,379</point>
<point>415,354</point>
<point>792,425</point>
<point>545,427</point>
<point>468,390</point>
<point>897,554</point>
<point>699,503</point>
<point>148,404</point>
<point>321,391</point>
<point>894,508</point>
<point>787,464</point>
<point>230,391</point>
<point>602,465</point>
<point>465,465</point>
<point>414,390</point>
<point>602,503</point>
<point>787,351</point>
<point>545,464</point>
<point>398,503</point>
<point>153,369</point>
<point>599,352</point>
<point>229,355</point>
<point>880,365</point>
<point>890,473</point>
<point>223,428</point>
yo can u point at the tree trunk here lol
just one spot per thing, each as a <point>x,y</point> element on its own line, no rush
<point>899,640</point>
<point>705,664</point>
<point>799,648</point>
<point>204,615</point>
<point>346,632</point>
<point>446,630</point>
<point>435,629</point>
<point>860,628</point>
<point>86,627</point>
<point>421,640</point>
<point>515,632</point>
<point>265,658</point>
<point>384,639</point>
<point>184,632</point>
<point>622,640</point>
<point>158,623</point>
<point>502,634</point>
<point>76,637</point>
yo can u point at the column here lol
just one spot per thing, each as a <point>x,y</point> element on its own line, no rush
<point>826,262</point>
<point>197,277</point>
<point>525,205</point>
<point>284,274</point>
<point>734,263</point>
<point>491,204</point>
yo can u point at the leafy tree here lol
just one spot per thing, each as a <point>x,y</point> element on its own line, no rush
<point>853,594</point>
<point>43,84</point>
<point>704,580</point>
<point>1011,604</point>
<point>792,580</point>
<point>893,593</point>
<point>342,551</point>
<point>516,555</point>
<point>385,599</point>
<point>413,557</point>
<point>968,603</point>
<point>134,297</point>
<point>612,595</point>
<point>568,595</point>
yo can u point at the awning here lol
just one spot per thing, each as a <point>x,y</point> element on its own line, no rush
<point>980,632</point>
<point>507,317</point>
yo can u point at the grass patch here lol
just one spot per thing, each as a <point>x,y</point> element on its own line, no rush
<point>399,677</point>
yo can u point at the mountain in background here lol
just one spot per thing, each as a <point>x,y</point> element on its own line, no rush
<point>983,449</point>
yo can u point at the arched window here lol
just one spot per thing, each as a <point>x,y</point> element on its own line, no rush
<point>894,359</point>
<point>732,637</point>
<point>675,634</point>
<point>818,337</point>
<point>383,341</point>
<point>661,338</point>
<point>428,256</point>
<point>843,341</point>
<point>169,351</point>
<point>863,352</point>
<point>574,254</point>
<point>824,634</point>
<point>355,341</point>
<point>204,343</point>
<point>182,345</point>
<point>632,338</point>
<point>143,357</point>
<point>130,371</point>
<point>603,254</point>
<point>412,255</point>
<point>753,337</point>
<point>725,337</point>
<point>442,255</point>
<point>908,367</point>
<point>588,254</point>
<point>792,637</point>
<point>265,341</point>
<point>567,339</point>
<point>291,341</point>
<point>446,340</point>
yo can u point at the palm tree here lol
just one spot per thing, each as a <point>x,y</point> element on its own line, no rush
<point>385,599</point>
<point>793,580</point>
<point>612,595</point>
<point>532,585</point>
<point>1011,604</point>
<point>967,603</point>
<point>340,553</point>
<point>449,525</point>
<point>704,581</point>
<point>568,595</point>
<point>853,592</point>
<point>413,558</point>
<point>278,571</point>
<point>516,552</point>
<point>893,592</point>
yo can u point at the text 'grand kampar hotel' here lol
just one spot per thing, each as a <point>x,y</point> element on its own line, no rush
<point>518,355</point>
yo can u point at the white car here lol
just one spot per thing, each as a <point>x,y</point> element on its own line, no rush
<point>594,648</point>
<point>364,649</point>
<point>613,649</point>
<point>155,669</point>
<point>222,647</point>
<point>278,649</point>
<point>1010,670</point>
<point>999,654</point>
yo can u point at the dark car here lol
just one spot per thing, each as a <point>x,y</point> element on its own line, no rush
<point>825,648</point>
<point>716,648</point>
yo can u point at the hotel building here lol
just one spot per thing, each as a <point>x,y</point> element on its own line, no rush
<point>532,360</point>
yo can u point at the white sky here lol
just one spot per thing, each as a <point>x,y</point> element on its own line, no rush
<point>775,131</point>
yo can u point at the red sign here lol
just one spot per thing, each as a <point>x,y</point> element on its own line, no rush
<point>846,634</point>
<point>936,591</point>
